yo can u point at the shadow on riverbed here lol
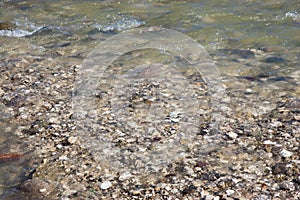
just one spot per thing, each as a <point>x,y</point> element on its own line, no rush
<point>16,164</point>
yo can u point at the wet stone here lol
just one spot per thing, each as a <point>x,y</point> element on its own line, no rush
<point>105,185</point>
<point>243,53</point>
<point>286,154</point>
<point>38,188</point>
<point>275,60</point>
<point>232,135</point>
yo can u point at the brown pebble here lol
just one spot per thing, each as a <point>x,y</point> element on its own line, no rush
<point>7,26</point>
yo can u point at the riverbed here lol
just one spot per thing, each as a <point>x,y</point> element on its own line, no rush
<point>93,107</point>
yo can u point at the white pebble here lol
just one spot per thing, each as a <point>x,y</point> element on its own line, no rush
<point>175,191</point>
<point>64,157</point>
<point>175,120</point>
<point>248,91</point>
<point>232,135</point>
<point>286,153</point>
<point>125,176</point>
<point>229,192</point>
<point>43,190</point>
<point>269,142</point>
<point>105,185</point>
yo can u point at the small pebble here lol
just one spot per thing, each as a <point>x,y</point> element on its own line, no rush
<point>232,135</point>
<point>248,91</point>
<point>229,192</point>
<point>286,154</point>
<point>175,120</point>
<point>72,139</point>
<point>105,185</point>
<point>63,157</point>
<point>125,176</point>
<point>268,142</point>
<point>43,190</point>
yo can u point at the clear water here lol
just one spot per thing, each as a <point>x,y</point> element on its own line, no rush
<point>249,39</point>
<point>217,25</point>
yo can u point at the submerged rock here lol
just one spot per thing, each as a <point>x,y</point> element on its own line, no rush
<point>120,25</point>
<point>274,60</point>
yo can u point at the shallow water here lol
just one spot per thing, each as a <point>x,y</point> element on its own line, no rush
<point>254,44</point>
<point>15,164</point>
<point>216,25</point>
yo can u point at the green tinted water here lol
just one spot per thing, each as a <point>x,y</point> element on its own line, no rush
<point>210,22</point>
<point>214,24</point>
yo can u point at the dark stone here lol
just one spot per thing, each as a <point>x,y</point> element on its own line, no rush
<point>243,53</point>
<point>282,78</point>
<point>274,60</point>
<point>250,78</point>
<point>156,139</point>
<point>279,168</point>
<point>30,131</point>
<point>55,45</point>
<point>188,190</point>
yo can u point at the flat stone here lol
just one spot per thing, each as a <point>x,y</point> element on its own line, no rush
<point>274,60</point>
<point>232,135</point>
<point>72,139</point>
<point>125,176</point>
<point>269,142</point>
<point>105,185</point>
<point>230,192</point>
<point>286,153</point>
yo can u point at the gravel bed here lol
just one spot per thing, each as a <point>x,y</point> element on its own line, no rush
<point>255,156</point>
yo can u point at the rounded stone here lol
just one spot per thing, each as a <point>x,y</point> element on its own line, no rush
<point>105,185</point>
<point>286,154</point>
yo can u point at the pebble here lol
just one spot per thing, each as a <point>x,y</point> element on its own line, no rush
<point>232,135</point>
<point>211,197</point>
<point>230,192</point>
<point>175,120</point>
<point>248,91</point>
<point>64,157</point>
<point>72,139</point>
<point>268,142</point>
<point>286,154</point>
<point>288,185</point>
<point>43,190</point>
<point>175,191</point>
<point>125,176</point>
<point>105,185</point>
